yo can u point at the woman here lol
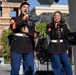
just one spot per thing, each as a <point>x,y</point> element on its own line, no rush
<point>58,47</point>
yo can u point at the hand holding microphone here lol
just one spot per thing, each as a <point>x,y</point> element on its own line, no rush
<point>56,25</point>
<point>56,22</point>
<point>26,16</point>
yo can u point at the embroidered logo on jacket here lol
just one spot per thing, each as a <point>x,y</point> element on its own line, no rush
<point>29,23</point>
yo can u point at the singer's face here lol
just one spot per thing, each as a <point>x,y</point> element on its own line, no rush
<point>57,17</point>
<point>24,9</point>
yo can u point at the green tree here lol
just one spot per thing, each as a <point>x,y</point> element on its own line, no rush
<point>41,29</point>
<point>5,43</point>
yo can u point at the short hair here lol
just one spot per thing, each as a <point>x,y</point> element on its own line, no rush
<point>24,3</point>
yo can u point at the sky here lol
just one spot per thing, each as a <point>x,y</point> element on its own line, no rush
<point>34,3</point>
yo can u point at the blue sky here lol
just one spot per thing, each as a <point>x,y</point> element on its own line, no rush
<point>34,3</point>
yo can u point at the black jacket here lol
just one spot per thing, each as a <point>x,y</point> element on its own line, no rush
<point>58,47</point>
<point>22,44</point>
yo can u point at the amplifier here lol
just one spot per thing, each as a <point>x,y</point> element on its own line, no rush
<point>43,72</point>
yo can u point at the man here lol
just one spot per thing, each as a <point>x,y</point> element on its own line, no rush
<point>22,43</point>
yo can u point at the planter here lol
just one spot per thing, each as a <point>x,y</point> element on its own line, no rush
<point>1,60</point>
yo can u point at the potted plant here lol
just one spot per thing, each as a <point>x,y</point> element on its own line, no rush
<point>41,29</point>
<point>5,43</point>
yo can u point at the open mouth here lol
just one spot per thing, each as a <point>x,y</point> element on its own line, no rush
<point>25,11</point>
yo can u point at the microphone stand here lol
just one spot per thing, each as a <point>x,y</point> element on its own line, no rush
<point>70,53</point>
<point>47,57</point>
<point>70,46</point>
<point>47,63</point>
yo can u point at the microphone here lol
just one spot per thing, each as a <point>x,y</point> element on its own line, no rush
<point>56,24</point>
<point>29,15</point>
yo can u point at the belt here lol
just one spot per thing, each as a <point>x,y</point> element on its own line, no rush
<point>56,41</point>
<point>21,34</point>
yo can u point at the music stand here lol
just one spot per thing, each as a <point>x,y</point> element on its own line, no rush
<point>72,38</point>
<point>71,41</point>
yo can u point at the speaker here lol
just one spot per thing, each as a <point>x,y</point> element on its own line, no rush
<point>56,1</point>
<point>47,2</point>
<point>44,73</point>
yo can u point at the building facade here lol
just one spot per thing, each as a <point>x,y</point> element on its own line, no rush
<point>6,8</point>
<point>47,12</point>
<point>52,8</point>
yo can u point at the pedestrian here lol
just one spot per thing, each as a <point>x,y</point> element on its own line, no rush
<point>21,46</point>
<point>58,46</point>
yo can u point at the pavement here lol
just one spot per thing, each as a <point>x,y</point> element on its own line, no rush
<point>6,68</point>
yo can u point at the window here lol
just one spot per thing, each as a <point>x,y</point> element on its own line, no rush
<point>12,13</point>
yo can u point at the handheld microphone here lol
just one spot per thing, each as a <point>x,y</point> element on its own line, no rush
<point>56,24</point>
<point>29,15</point>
